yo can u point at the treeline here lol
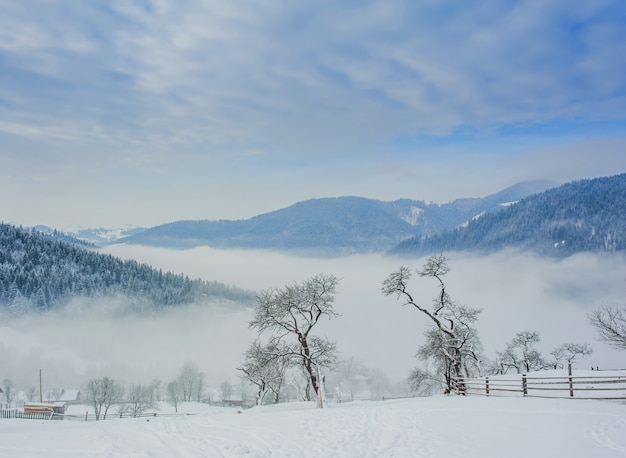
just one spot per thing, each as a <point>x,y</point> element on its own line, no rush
<point>39,272</point>
<point>586,215</point>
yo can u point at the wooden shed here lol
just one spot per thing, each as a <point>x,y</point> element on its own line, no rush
<point>43,407</point>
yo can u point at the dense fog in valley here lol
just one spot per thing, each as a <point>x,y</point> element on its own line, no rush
<point>516,291</point>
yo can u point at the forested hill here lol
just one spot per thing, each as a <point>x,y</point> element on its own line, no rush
<point>39,272</point>
<point>586,215</point>
<point>332,226</point>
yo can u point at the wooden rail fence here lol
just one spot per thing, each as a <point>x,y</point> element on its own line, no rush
<point>608,387</point>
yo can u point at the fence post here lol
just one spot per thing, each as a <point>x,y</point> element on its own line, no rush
<point>487,386</point>
<point>571,381</point>
<point>524,385</point>
<point>86,415</point>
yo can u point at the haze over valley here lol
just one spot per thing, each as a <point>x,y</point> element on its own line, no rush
<point>517,291</point>
<point>230,202</point>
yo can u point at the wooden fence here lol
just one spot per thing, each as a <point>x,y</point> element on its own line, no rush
<point>17,413</point>
<point>110,416</point>
<point>578,386</point>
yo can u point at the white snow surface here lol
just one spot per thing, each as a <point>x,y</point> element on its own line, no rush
<point>440,426</point>
<point>413,216</point>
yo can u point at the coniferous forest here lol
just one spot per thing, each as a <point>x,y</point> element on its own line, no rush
<point>581,216</point>
<point>41,271</point>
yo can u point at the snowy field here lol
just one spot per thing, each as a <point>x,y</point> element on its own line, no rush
<point>421,427</point>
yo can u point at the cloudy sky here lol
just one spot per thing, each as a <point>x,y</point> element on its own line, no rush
<point>115,112</point>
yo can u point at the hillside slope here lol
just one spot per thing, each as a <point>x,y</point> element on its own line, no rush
<point>39,272</point>
<point>586,215</point>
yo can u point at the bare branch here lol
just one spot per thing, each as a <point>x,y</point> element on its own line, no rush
<point>610,321</point>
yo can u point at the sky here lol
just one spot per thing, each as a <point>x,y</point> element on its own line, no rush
<point>140,113</point>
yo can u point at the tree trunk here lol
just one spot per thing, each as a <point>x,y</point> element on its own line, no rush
<point>459,382</point>
<point>307,363</point>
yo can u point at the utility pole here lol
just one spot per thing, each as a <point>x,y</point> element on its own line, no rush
<point>40,390</point>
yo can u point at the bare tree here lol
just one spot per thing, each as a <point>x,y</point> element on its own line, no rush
<point>103,393</point>
<point>55,394</point>
<point>188,379</point>
<point>291,314</point>
<point>156,390</point>
<point>530,357</point>
<point>31,393</point>
<point>225,391</point>
<point>265,366</point>
<point>454,340</point>
<point>500,365</point>
<point>610,321</point>
<point>139,399</point>
<point>200,386</point>
<point>8,391</point>
<point>174,393</point>
<point>521,354</point>
<point>569,352</point>
<point>423,383</point>
<point>378,383</point>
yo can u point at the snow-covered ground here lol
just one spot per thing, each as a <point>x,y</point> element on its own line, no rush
<point>420,427</point>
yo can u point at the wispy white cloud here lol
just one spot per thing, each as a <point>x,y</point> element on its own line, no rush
<point>162,87</point>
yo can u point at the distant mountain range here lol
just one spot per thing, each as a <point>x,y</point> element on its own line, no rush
<point>542,216</point>
<point>333,226</point>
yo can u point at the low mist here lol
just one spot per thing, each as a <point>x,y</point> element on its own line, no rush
<point>99,338</point>
<point>516,291</point>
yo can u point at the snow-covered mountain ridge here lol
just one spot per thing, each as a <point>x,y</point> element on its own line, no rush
<point>585,215</point>
<point>333,226</point>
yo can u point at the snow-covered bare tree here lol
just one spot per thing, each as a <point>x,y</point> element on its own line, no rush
<point>290,314</point>
<point>225,391</point>
<point>265,366</point>
<point>521,354</point>
<point>200,387</point>
<point>610,322</point>
<point>54,394</point>
<point>103,393</point>
<point>453,345</point>
<point>569,352</point>
<point>188,379</point>
<point>139,399</point>
<point>423,382</point>
<point>435,352</point>
<point>8,391</point>
<point>378,383</point>
<point>174,394</point>
<point>499,365</point>
<point>31,393</point>
<point>156,390</point>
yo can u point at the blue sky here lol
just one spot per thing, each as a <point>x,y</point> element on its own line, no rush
<point>115,112</point>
